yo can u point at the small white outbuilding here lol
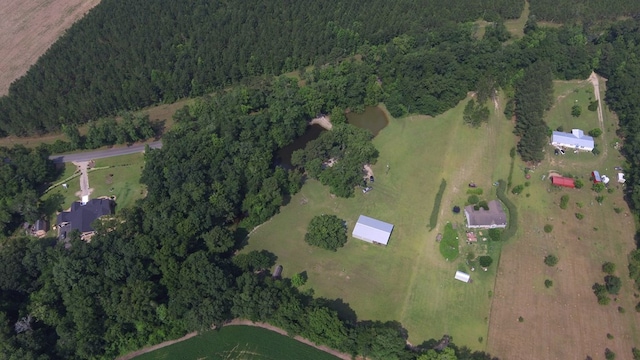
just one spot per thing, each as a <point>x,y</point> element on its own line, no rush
<point>464,277</point>
<point>621,178</point>
<point>372,230</point>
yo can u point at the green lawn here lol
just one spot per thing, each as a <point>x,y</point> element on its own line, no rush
<point>450,243</point>
<point>408,280</point>
<point>567,94</point>
<point>238,342</point>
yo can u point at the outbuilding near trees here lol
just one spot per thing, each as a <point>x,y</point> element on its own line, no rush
<point>372,230</point>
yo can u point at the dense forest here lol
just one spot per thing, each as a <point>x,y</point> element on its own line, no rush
<point>568,11</point>
<point>166,266</point>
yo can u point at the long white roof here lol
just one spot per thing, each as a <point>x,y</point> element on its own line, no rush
<point>576,138</point>
<point>370,229</point>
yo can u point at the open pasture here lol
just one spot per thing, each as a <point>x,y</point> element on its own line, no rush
<point>408,280</point>
<point>565,321</point>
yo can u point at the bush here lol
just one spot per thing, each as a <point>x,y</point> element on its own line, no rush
<point>638,307</point>
<point>579,216</point>
<point>548,283</point>
<point>578,183</point>
<point>517,189</point>
<point>299,279</point>
<point>609,355</point>
<point>327,232</point>
<point>520,319</point>
<point>593,106</point>
<point>595,132</point>
<point>483,204</point>
<point>551,260</point>
<point>494,234</point>
<point>613,284</point>
<point>599,199</point>
<point>548,228</point>
<point>636,353</point>
<point>564,201</point>
<point>609,267</point>
<point>621,310</point>
<point>576,110</point>
<point>598,187</point>
<point>609,336</point>
<point>473,199</point>
<point>485,261</point>
<point>476,191</point>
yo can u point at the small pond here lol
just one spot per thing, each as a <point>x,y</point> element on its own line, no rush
<point>372,119</point>
<point>284,154</point>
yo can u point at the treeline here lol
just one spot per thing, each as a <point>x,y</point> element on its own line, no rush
<point>167,266</point>
<point>23,173</point>
<point>125,56</point>
<point>570,11</point>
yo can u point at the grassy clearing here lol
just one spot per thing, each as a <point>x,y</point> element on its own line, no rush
<point>433,219</point>
<point>421,151</point>
<point>516,26</point>
<point>450,243</point>
<point>238,342</point>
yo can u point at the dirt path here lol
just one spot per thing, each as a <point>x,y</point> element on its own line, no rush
<point>29,27</point>
<point>593,78</point>
<point>237,322</point>
<point>323,121</point>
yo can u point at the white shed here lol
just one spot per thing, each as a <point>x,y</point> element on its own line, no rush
<point>372,230</point>
<point>464,277</point>
<point>621,178</point>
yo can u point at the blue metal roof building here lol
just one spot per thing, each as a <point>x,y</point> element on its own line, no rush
<point>372,230</point>
<point>576,139</point>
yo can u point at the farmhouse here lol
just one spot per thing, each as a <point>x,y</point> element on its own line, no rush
<point>576,139</point>
<point>464,277</point>
<point>495,217</point>
<point>372,230</point>
<point>81,215</point>
<point>563,181</point>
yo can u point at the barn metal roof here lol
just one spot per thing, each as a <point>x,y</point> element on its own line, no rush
<point>372,230</point>
<point>576,138</point>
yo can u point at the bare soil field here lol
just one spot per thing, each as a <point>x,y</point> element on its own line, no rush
<point>29,27</point>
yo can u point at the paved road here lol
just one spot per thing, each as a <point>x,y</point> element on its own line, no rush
<point>101,154</point>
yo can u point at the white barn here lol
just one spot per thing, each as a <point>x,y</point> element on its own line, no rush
<point>464,277</point>
<point>576,139</point>
<point>372,230</point>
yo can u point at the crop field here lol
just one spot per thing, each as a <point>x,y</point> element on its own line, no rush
<point>408,280</point>
<point>27,30</point>
<point>238,343</point>
<point>565,321</point>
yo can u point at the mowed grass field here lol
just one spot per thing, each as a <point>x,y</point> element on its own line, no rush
<point>408,280</point>
<point>238,343</point>
<point>565,321</point>
<point>117,176</point>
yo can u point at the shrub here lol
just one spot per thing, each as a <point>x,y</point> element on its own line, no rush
<point>609,355</point>
<point>599,199</point>
<point>621,310</point>
<point>476,191</point>
<point>299,279</point>
<point>609,336</point>
<point>595,150</point>
<point>578,183</point>
<point>609,267</point>
<point>494,234</point>
<point>638,307</point>
<point>611,190</point>
<point>548,228</point>
<point>593,106</point>
<point>327,232</point>
<point>483,204</point>
<point>604,300</point>
<point>636,353</point>
<point>564,201</point>
<point>598,187</point>
<point>517,189</point>
<point>613,284</point>
<point>551,260</point>
<point>548,283</point>
<point>579,216</point>
<point>595,132</point>
<point>617,210</point>
<point>520,319</point>
<point>560,128</point>
<point>485,261</point>
<point>473,199</point>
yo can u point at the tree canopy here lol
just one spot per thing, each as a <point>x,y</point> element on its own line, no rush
<point>326,231</point>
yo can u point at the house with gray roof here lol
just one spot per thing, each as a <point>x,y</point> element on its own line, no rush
<point>372,230</point>
<point>495,217</point>
<point>576,139</point>
<point>82,215</point>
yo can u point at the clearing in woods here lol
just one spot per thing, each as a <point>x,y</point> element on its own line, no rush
<point>28,28</point>
<point>565,320</point>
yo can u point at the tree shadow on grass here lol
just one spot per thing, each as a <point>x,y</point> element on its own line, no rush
<point>344,310</point>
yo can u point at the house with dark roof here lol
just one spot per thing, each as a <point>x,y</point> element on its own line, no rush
<point>82,215</point>
<point>495,217</point>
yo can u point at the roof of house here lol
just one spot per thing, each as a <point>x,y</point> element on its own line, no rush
<point>481,217</point>
<point>41,225</point>
<point>464,277</point>
<point>576,138</point>
<point>81,216</point>
<point>371,229</point>
<point>563,181</point>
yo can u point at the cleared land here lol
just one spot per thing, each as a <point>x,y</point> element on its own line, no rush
<point>27,30</point>
<point>565,321</point>
<point>409,280</point>
<point>239,342</point>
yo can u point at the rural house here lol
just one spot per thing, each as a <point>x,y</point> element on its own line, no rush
<point>495,217</point>
<point>82,215</point>
<point>563,181</point>
<point>576,139</point>
<point>372,230</point>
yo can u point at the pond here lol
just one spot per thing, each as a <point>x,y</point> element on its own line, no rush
<point>372,119</point>
<point>283,157</point>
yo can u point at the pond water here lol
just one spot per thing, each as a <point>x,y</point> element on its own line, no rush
<point>372,119</point>
<point>284,155</point>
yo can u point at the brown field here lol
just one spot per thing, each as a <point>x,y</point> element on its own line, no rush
<point>29,27</point>
<point>565,321</point>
